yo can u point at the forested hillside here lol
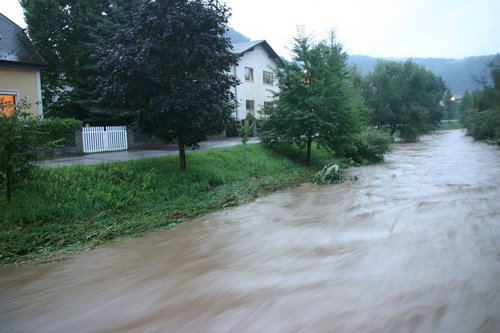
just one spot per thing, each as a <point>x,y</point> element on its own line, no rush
<point>459,74</point>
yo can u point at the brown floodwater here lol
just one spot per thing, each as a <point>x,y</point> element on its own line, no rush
<point>412,246</point>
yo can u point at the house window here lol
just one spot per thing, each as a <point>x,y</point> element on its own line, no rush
<point>268,77</point>
<point>249,74</point>
<point>7,102</point>
<point>250,106</point>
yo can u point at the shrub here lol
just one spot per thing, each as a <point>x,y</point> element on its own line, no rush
<point>485,125</point>
<point>20,146</point>
<point>369,146</point>
<point>330,174</point>
<point>60,131</point>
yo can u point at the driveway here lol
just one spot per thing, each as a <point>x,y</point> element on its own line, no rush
<point>126,155</point>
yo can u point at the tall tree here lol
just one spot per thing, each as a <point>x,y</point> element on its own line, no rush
<point>483,120</point>
<point>315,101</point>
<point>66,33</point>
<point>172,63</point>
<point>404,97</point>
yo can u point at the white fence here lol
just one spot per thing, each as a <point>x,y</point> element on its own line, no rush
<point>104,138</point>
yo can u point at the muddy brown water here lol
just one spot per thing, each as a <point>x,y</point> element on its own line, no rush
<point>412,246</point>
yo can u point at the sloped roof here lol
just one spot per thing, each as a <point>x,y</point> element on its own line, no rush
<point>243,47</point>
<point>15,46</point>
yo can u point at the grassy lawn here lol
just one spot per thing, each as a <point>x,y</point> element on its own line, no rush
<point>449,125</point>
<point>79,207</point>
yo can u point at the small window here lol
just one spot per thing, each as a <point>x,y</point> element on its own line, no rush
<point>268,77</point>
<point>249,74</point>
<point>250,107</point>
<point>7,103</point>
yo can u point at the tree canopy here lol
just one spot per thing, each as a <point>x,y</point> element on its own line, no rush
<point>172,63</point>
<point>66,33</point>
<point>315,102</point>
<point>481,111</point>
<point>404,97</point>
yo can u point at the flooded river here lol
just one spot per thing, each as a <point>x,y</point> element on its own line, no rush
<point>412,246</point>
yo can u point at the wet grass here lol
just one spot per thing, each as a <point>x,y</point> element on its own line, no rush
<point>450,125</point>
<point>80,207</point>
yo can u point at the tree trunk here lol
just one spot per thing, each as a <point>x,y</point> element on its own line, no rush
<point>393,129</point>
<point>308,152</point>
<point>9,185</point>
<point>182,154</point>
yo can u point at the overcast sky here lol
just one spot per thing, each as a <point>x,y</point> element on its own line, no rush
<point>379,28</point>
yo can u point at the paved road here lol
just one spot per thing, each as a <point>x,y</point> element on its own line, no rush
<point>127,155</point>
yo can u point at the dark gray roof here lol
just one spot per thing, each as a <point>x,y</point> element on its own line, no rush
<point>15,46</point>
<point>243,47</point>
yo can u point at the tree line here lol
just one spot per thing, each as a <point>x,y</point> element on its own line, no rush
<point>479,111</point>
<point>324,100</point>
<point>164,66</point>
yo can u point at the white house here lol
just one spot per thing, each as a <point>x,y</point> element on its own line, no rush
<point>255,71</point>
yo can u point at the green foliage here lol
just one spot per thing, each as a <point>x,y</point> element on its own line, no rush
<point>60,131</point>
<point>66,33</point>
<point>244,133</point>
<point>20,144</point>
<point>171,62</point>
<point>330,174</point>
<point>482,119</point>
<point>404,97</point>
<point>485,125</point>
<point>460,75</point>
<point>316,102</point>
<point>450,125</point>
<point>369,146</point>
<point>81,206</point>
<point>465,107</point>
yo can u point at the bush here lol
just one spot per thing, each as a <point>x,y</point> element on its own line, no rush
<point>60,131</point>
<point>330,174</point>
<point>485,125</point>
<point>20,145</point>
<point>369,146</point>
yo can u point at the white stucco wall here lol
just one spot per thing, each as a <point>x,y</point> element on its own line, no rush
<point>259,60</point>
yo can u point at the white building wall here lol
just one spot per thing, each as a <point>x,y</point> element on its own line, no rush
<point>259,60</point>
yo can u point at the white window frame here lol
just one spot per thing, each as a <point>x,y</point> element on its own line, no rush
<point>270,74</point>
<point>250,102</point>
<point>249,74</point>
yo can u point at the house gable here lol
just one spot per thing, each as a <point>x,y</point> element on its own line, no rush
<point>255,71</point>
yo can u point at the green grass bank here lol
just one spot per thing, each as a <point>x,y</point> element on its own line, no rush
<point>79,207</point>
<point>450,125</point>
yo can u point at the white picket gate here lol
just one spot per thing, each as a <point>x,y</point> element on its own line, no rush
<point>104,138</point>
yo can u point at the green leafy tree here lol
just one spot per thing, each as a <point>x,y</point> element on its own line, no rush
<point>465,107</point>
<point>315,102</point>
<point>172,63</point>
<point>483,121</point>
<point>20,145</point>
<point>404,97</point>
<point>66,33</point>
<point>244,132</point>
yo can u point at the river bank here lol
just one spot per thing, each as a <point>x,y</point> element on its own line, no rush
<point>412,246</point>
<point>61,210</point>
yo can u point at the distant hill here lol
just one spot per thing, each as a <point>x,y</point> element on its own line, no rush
<point>459,74</point>
<point>236,37</point>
